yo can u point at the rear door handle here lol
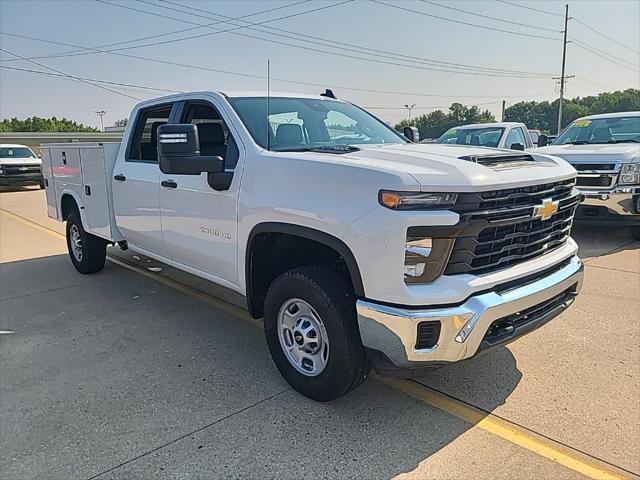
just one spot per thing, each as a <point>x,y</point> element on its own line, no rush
<point>119,177</point>
<point>169,184</point>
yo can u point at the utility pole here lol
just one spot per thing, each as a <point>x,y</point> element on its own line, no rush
<point>409,107</point>
<point>564,58</point>
<point>503,105</point>
<point>101,114</point>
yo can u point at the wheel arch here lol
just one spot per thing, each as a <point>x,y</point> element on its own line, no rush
<point>304,233</point>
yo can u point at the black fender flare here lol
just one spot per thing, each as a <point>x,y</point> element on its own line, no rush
<point>309,234</point>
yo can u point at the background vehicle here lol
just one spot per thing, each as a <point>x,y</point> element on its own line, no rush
<point>605,150</point>
<point>357,247</point>
<point>511,135</point>
<point>19,166</point>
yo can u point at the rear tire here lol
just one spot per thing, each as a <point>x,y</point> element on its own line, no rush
<point>87,252</point>
<point>635,232</point>
<point>320,327</point>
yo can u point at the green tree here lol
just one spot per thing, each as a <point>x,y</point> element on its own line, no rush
<point>434,124</point>
<point>121,123</point>
<point>544,115</point>
<point>38,124</point>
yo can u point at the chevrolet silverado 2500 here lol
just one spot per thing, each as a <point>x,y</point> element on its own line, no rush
<point>605,150</point>
<point>357,247</point>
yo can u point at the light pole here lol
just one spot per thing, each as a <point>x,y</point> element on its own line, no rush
<point>409,107</point>
<point>101,113</point>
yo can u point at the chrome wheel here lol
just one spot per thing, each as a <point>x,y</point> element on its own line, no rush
<point>76,242</point>
<point>303,337</point>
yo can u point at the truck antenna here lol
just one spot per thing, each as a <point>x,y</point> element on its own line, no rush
<point>268,104</point>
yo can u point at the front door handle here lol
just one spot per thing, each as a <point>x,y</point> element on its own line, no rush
<point>169,184</point>
<point>119,177</point>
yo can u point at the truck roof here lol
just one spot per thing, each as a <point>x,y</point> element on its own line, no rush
<point>610,115</point>
<point>493,124</point>
<point>234,94</point>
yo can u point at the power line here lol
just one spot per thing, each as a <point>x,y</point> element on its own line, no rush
<point>605,36</point>
<point>307,48</point>
<point>280,80</point>
<point>341,45</point>
<point>398,7</point>
<point>602,54</point>
<point>531,8</point>
<point>475,14</point>
<point>460,68</point>
<point>75,77</point>
<point>70,76</point>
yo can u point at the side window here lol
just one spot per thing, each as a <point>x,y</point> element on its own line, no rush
<point>143,146</point>
<point>515,135</point>
<point>213,133</point>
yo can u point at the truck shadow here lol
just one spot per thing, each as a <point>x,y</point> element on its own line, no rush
<point>594,241</point>
<point>129,365</point>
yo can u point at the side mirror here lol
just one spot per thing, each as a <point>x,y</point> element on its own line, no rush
<point>517,146</point>
<point>543,140</point>
<point>179,151</point>
<point>39,155</point>
<point>412,134</point>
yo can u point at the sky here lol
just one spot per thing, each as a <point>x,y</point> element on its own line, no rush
<point>380,55</point>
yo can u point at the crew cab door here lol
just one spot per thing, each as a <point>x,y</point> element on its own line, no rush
<point>136,182</point>
<point>199,212</point>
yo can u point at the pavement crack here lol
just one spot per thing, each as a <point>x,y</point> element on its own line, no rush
<point>613,269</point>
<point>53,290</point>
<point>186,435</point>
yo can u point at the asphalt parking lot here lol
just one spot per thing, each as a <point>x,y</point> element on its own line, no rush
<point>142,372</point>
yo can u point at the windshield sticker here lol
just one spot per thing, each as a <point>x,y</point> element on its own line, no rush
<point>451,131</point>
<point>582,123</point>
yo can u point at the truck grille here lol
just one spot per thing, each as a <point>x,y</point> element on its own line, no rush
<point>502,229</point>
<point>595,180</point>
<point>21,169</point>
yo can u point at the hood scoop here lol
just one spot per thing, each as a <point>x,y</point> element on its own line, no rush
<point>502,162</point>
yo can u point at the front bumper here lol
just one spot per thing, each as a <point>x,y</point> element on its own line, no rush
<point>21,179</point>
<point>392,331</point>
<point>617,205</point>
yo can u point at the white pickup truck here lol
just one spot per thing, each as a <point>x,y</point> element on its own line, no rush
<point>356,246</point>
<point>605,150</point>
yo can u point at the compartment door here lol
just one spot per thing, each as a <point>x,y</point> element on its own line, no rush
<point>50,185</point>
<point>94,192</point>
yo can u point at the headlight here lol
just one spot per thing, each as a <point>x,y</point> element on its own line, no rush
<point>416,200</point>
<point>627,178</point>
<point>631,168</point>
<point>1,168</point>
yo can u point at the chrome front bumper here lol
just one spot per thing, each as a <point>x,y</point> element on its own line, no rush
<point>617,201</point>
<point>392,331</point>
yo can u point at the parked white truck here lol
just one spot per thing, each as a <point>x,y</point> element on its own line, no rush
<point>356,246</point>
<point>605,150</point>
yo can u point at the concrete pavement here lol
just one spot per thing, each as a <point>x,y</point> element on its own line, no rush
<point>120,375</point>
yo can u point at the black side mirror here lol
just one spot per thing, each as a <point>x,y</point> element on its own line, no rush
<point>543,140</point>
<point>412,134</point>
<point>179,151</point>
<point>517,146</point>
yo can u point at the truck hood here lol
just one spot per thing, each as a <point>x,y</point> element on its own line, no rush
<point>438,167</point>
<point>21,161</point>
<point>609,153</point>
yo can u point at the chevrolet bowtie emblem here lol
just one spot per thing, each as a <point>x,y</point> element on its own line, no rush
<point>546,210</point>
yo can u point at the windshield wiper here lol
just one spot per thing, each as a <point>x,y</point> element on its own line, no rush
<point>339,149</point>
<point>628,140</point>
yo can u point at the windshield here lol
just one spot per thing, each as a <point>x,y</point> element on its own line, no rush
<point>481,136</point>
<point>16,152</point>
<point>601,130</point>
<point>306,124</point>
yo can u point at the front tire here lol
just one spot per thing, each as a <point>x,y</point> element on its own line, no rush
<point>87,252</point>
<point>311,329</point>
